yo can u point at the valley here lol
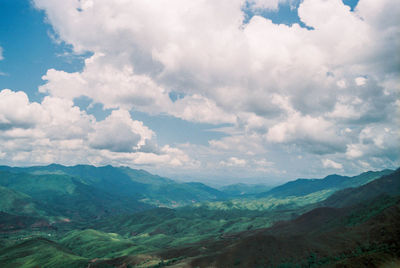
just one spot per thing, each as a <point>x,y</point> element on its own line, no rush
<point>85,216</point>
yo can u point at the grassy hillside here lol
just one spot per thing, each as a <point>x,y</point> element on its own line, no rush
<point>267,203</point>
<point>95,244</point>
<point>363,232</point>
<point>39,252</point>
<point>58,216</point>
<point>323,237</point>
<point>65,196</point>
<point>162,227</point>
<point>124,182</point>
<point>15,202</point>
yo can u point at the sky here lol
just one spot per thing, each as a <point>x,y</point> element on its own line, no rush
<point>253,91</point>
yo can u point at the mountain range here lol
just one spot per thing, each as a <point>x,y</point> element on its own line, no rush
<point>86,216</point>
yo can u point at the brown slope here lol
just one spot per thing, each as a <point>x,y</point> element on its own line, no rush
<point>368,233</point>
<point>321,237</point>
<point>296,243</point>
<point>386,185</point>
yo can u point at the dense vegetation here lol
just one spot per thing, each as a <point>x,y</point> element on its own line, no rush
<point>85,216</point>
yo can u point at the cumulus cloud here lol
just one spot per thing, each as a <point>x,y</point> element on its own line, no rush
<point>57,131</point>
<point>115,88</point>
<point>313,133</point>
<point>308,91</point>
<point>119,133</point>
<point>16,111</point>
<point>360,81</point>
<point>376,143</point>
<point>266,4</point>
<point>236,67</point>
<point>234,162</point>
<point>327,163</point>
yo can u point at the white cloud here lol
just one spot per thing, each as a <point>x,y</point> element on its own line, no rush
<point>116,88</point>
<point>231,66</point>
<point>376,142</point>
<point>327,163</point>
<point>112,86</point>
<point>233,162</point>
<point>57,131</point>
<point>313,133</point>
<point>119,133</point>
<point>353,151</point>
<point>1,54</point>
<point>360,81</point>
<point>344,111</point>
<point>16,111</point>
<point>63,120</point>
<point>341,83</point>
<point>283,88</point>
<point>200,109</point>
<point>265,4</point>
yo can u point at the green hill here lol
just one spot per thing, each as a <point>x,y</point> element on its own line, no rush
<point>39,252</point>
<point>57,216</point>
<point>125,182</point>
<point>63,196</point>
<point>386,185</point>
<point>363,232</point>
<point>334,182</point>
<point>95,244</point>
<point>15,202</point>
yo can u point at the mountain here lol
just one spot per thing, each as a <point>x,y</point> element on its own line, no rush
<point>386,185</point>
<point>363,231</point>
<point>170,228</point>
<point>334,182</point>
<point>17,203</point>
<point>85,192</point>
<point>321,237</point>
<point>127,182</point>
<point>57,195</point>
<point>242,189</point>
<point>85,216</point>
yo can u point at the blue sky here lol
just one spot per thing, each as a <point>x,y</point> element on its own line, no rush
<point>27,46</point>
<point>23,24</point>
<point>224,104</point>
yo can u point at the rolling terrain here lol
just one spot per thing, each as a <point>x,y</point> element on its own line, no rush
<point>84,216</point>
<point>125,182</point>
<point>364,233</point>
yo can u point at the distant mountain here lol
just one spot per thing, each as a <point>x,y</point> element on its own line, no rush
<point>85,192</point>
<point>387,185</point>
<point>363,232</point>
<point>241,189</point>
<point>62,196</point>
<point>301,187</point>
<point>85,216</point>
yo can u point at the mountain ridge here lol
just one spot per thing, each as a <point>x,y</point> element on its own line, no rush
<point>302,186</point>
